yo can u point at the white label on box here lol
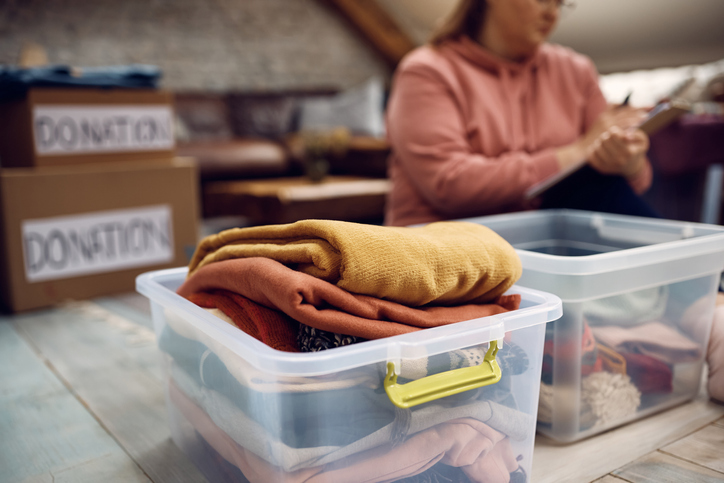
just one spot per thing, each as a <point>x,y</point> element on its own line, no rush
<point>102,129</point>
<point>99,242</point>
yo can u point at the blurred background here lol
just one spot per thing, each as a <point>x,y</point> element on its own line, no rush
<point>280,103</point>
<point>619,35</point>
<point>282,44</point>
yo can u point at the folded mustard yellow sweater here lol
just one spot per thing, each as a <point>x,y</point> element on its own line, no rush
<point>443,263</point>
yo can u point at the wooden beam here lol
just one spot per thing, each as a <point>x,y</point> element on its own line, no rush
<point>377,26</point>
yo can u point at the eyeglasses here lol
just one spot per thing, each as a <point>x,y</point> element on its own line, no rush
<point>561,4</point>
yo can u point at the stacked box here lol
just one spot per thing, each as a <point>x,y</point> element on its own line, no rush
<point>69,126</point>
<point>91,194</point>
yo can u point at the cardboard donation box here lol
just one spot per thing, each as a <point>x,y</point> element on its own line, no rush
<point>82,231</point>
<point>53,127</point>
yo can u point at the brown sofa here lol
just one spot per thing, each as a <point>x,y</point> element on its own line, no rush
<point>242,137</point>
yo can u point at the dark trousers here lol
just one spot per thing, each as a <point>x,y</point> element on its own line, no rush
<point>587,189</point>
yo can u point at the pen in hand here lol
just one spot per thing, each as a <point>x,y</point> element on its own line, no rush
<point>625,101</point>
<point>625,104</point>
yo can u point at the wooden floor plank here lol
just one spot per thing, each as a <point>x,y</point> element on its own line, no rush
<point>658,467</point>
<point>113,366</point>
<point>132,306</point>
<point>105,352</point>
<point>582,461</point>
<point>111,468</point>
<point>610,479</point>
<point>46,433</point>
<point>704,447</point>
<point>137,341</point>
<point>22,374</point>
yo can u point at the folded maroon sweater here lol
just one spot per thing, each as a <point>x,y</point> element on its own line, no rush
<point>276,329</point>
<point>648,374</point>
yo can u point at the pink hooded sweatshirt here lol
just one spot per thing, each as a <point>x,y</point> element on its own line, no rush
<point>470,132</point>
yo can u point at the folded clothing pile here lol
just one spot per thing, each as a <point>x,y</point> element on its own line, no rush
<point>359,280</point>
<point>319,284</point>
<point>627,353</point>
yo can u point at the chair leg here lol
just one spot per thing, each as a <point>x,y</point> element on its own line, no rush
<point>711,206</point>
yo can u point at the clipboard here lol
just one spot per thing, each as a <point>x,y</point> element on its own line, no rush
<point>658,118</point>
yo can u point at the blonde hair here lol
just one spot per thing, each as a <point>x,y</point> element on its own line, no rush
<point>465,19</point>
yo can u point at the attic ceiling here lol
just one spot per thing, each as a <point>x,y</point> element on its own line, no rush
<point>618,35</point>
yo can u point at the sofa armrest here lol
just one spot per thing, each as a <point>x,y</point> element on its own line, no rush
<point>237,158</point>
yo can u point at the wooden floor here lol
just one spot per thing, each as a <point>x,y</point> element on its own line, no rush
<point>82,400</point>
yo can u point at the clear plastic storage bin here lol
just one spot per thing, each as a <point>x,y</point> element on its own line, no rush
<point>638,299</point>
<point>243,411</point>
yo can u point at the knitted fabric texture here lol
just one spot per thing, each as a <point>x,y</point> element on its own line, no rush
<point>511,358</point>
<point>566,351</point>
<point>324,306</point>
<point>648,374</point>
<point>610,397</point>
<point>274,328</point>
<point>628,309</point>
<point>605,399</point>
<point>654,339</point>
<point>612,361</point>
<point>444,263</point>
<point>315,340</point>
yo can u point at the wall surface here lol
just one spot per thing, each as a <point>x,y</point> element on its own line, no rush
<point>213,45</point>
<point>621,35</point>
<point>267,45</point>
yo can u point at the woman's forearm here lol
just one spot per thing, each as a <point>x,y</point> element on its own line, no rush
<point>571,155</point>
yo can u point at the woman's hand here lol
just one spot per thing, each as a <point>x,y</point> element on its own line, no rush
<point>618,117</point>
<point>619,151</point>
<point>624,117</point>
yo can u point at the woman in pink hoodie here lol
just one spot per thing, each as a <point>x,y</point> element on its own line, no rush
<point>488,109</point>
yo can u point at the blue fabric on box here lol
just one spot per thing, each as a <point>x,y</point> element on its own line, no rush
<point>15,81</point>
<point>349,414</point>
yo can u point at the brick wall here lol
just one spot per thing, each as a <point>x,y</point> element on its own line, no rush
<point>212,45</point>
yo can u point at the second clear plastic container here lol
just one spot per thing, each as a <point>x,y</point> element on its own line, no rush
<point>638,299</point>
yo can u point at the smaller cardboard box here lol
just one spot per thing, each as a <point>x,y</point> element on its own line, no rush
<point>55,127</point>
<point>83,231</point>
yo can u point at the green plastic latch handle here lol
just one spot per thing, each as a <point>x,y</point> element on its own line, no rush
<point>444,384</point>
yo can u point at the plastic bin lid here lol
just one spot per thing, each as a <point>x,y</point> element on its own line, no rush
<point>537,307</point>
<point>652,241</point>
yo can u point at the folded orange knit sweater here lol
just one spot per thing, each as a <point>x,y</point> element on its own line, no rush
<point>324,306</point>
<point>445,263</point>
